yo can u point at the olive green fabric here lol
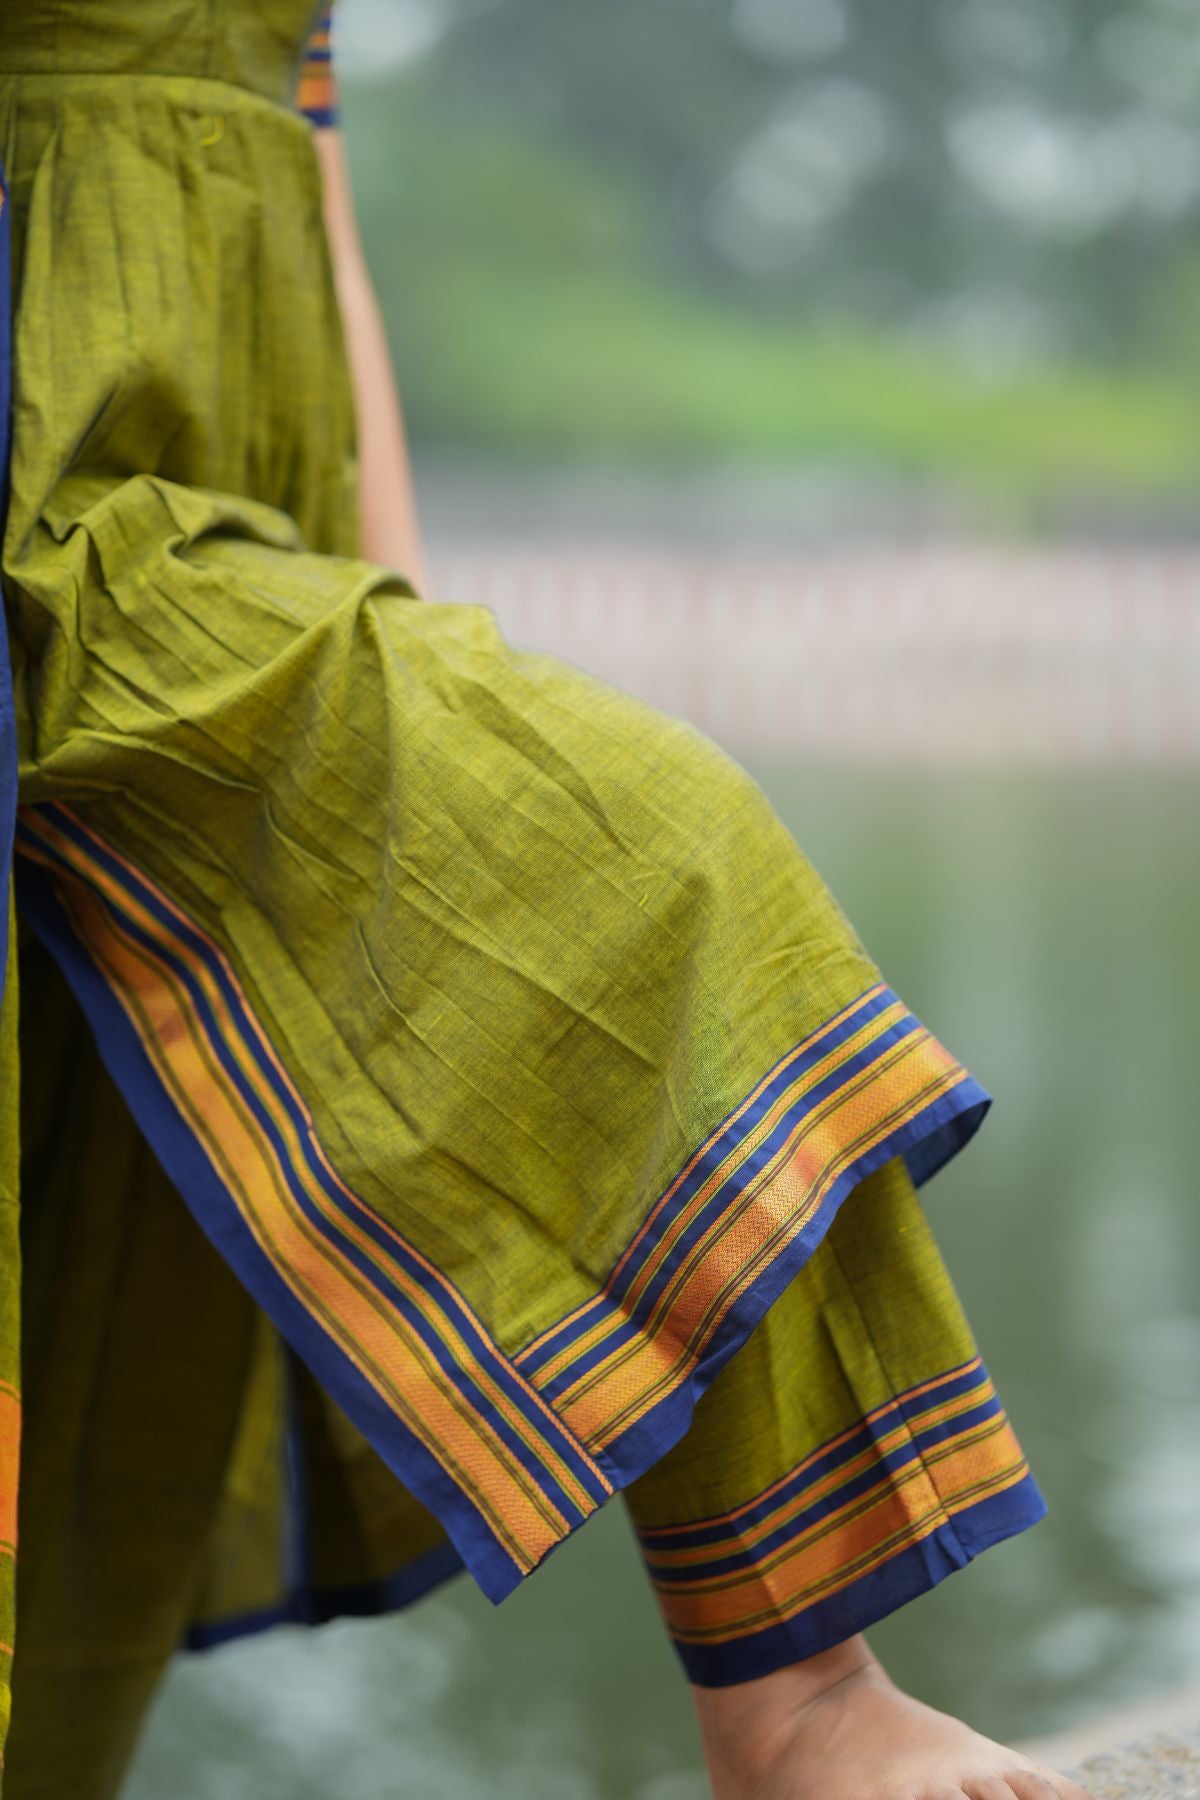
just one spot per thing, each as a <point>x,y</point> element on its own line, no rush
<point>154,1489</point>
<point>136,1349</point>
<point>429,857</point>
<point>470,952</point>
<point>872,1314</point>
<point>10,1315</point>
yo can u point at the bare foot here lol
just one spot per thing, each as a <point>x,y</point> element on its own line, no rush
<point>836,1727</point>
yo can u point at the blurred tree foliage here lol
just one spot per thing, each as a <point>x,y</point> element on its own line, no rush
<point>942,235</point>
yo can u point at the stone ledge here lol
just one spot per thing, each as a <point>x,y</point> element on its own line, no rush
<point>1162,1766</point>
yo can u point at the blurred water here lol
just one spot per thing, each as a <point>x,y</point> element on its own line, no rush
<point>1045,928</point>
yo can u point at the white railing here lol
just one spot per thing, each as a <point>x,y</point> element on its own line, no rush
<point>1070,656</point>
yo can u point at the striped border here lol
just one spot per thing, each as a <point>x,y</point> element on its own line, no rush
<point>8,726</point>
<point>511,1454</point>
<point>387,1333</point>
<point>746,1211</point>
<point>10,1398</point>
<point>316,93</point>
<point>880,1512</point>
<point>10,1441</point>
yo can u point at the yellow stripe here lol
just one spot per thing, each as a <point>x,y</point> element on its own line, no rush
<point>721,1225</point>
<point>386,1352</point>
<point>704,1195</point>
<point>844,1053</point>
<point>650,1532</point>
<point>567,1355</point>
<point>807,1497</point>
<point>613,1396</point>
<point>724,1225</point>
<point>10,1460</point>
<point>459,1349</point>
<point>850,1544</point>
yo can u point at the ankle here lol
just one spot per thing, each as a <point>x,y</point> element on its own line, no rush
<point>742,1725</point>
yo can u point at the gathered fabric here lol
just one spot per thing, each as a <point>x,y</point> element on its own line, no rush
<point>437,1093</point>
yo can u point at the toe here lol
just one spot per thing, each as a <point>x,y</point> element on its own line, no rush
<point>1043,1784</point>
<point>1062,1786</point>
<point>987,1787</point>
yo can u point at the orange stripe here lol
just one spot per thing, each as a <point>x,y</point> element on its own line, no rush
<point>807,1497</point>
<point>772,1075</point>
<point>99,877</point>
<point>727,1227</point>
<point>979,1455</point>
<point>848,1545</point>
<point>766,1254</point>
<point>177,946</point>
<point>807,1082</point>
<point>377,1342</point>
<point>649,1533</point>
<point>10,1462</point>
<point>858,1041</point>
<point>316,91</point>
<point>316,87</point>
<point>704,1195</point>
<point>810,1130</point>
<point>620,1392</point>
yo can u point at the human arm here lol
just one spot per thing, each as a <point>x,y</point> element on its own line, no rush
<point>389,532</point>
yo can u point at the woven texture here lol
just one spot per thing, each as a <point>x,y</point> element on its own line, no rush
<point>508,1052</point>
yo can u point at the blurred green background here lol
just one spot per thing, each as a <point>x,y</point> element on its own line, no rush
<point>1044,927</point>
<point>946,240</point>
<point>941,257</point>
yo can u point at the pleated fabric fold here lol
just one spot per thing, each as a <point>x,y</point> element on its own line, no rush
<point>523,1073</point>
<point>10,1247</point>
<point>512,1449</point>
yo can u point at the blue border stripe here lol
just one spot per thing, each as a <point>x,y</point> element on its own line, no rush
<point>818,1465</point>
<point>956,1116</point>
<point>737,1124</point>
<point>626,1326</point>
<point>547,1430</point>
<point>864,1602</point>
<point>747,1172</point>
<point>936,1131</point>
<point>970,1104</point>
<point>875,1478</point>
<point>319,1606</point>
<point>188,1167</point>
<point>8,724</point>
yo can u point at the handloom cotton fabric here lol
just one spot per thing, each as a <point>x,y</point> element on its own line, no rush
<point>448,1095</point>
<point>316,92</point>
